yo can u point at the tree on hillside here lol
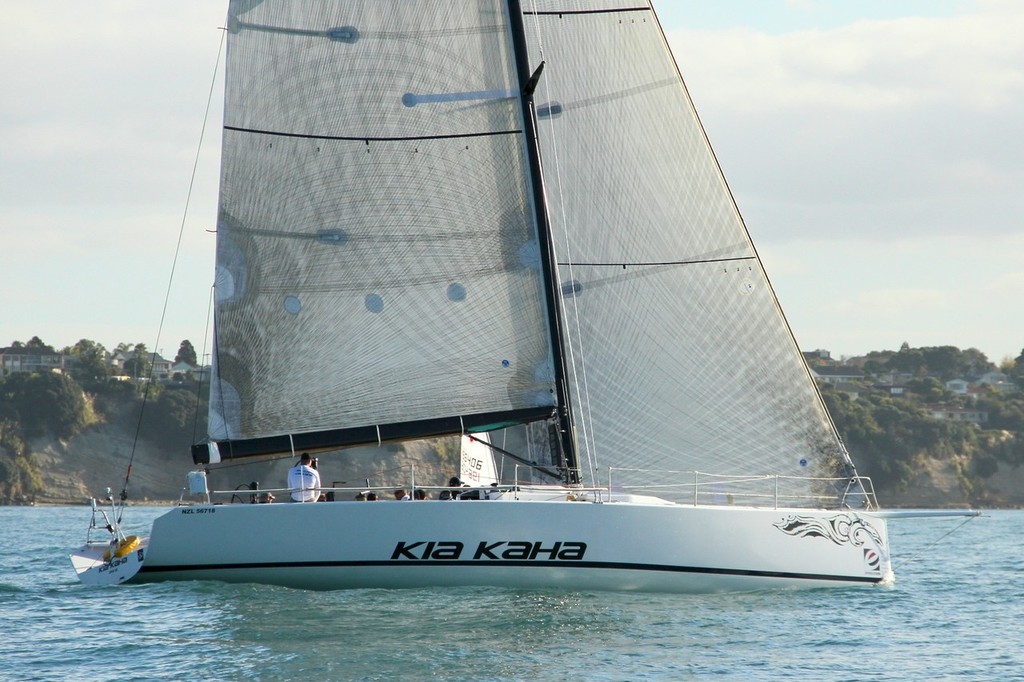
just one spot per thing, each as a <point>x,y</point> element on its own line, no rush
<point>1005,410</point>
<point>930,390</point>
<point>44,402</point>
<point>186,353</point>
<point>10,434</point>
<point>974,363</point>
<point>942,360</point>
<point>20,481</point>
<point>90,367</point>
<point>885,436</point>
<point>945,362</point>
<point>138,365</point>
<point>909,360</point>
<point>1016,370</point>
<point>877,361</point>
<point>36,344</point>
<point>175,420</point>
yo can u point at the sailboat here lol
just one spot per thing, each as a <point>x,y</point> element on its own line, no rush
<point>468,217</point>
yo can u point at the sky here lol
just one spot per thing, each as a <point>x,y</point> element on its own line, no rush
<point>875,150</point>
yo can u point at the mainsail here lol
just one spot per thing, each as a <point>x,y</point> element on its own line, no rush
<point>682,359</point>
<point>378,260</point>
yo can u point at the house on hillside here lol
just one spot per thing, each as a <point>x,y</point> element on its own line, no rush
<point>958,386</point>
<point>31,360</point>
<point>998,381</point>
<point>838,374</point>
<point>117,360</point>
<point>161,365</point>
<point>893,389</point>
<point>183,371</point>
<point>852,390</point>
<point>818,358</point>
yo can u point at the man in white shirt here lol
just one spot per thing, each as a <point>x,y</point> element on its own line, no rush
<point>304,480</point>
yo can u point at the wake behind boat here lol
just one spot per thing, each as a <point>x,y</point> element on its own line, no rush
<point>481,216</point>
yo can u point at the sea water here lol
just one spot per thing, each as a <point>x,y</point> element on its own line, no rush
<point>956,612</point>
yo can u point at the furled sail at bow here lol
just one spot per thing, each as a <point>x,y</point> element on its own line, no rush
<point>681,357</point>
<point>378,264</point>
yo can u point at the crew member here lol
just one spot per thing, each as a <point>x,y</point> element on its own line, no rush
<point>304,480</point>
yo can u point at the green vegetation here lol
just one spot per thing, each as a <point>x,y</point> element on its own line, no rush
<point>186,353</point>
<point>32,405</point>
<point>890,433</point>
<point>93,389</point>
<point>138,366</point>
<point>175,419</point>
<point>44,403</point>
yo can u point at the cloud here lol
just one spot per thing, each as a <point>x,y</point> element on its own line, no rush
<point>868,65</point>
<point>854,295</point>
<point>880,128</point>
<point>96,108</point>
<point>103,106</point>
<point>893,303</point>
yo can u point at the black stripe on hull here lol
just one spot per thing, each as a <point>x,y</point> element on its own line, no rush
<point>605,565</point>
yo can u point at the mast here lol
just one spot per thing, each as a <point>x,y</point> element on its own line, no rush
<point>527,84</point>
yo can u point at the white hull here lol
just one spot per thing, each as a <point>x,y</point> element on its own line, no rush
<point>96,563</point>
<point>611,546</point>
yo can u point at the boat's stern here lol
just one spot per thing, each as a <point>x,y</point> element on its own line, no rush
<point>112,561</point>
<point>109,563</point>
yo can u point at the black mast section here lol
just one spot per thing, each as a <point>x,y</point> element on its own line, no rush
<point>527,84</point>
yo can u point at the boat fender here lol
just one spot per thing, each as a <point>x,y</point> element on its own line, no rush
<point>124,547</point>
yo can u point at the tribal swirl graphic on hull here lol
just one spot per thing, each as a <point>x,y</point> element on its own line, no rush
<point>841,529</point>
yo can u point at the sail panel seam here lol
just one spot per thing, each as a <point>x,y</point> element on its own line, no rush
<point>638,264</point>
<point>367,139</point>
<point>615,10</point>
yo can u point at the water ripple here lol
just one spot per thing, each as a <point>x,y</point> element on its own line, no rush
<point>953,615</point>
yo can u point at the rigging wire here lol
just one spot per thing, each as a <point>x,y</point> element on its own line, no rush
<point>199,384</point>
<point>170,279</point>
<point>915,557</point>
<point>586,423</point>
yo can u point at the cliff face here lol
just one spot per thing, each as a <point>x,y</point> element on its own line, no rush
<point>85,466</point>
<point>1004,488</point>
<point>944,483</point>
